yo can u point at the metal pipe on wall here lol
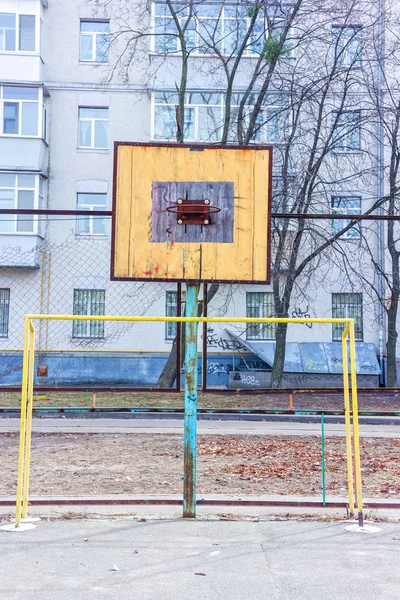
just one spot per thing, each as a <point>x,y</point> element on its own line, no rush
<point>379,189</point>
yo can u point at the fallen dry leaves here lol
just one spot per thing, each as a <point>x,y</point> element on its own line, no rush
<point>100,464</point>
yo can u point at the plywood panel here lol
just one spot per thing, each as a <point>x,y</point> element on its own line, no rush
<point>148,243</point>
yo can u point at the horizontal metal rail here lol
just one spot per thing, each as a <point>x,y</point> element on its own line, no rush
<point>203,411</point>
<point>200,502</point>
<point>217,392</point>
<point>324,321</point>
<point>274,215</point>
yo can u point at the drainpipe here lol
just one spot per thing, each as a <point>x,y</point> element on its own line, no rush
<point>379,190</point>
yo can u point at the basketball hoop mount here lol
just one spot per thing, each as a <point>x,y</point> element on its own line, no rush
<point>193,212</point>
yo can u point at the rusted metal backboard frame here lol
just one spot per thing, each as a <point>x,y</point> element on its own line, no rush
<point>194,147</point>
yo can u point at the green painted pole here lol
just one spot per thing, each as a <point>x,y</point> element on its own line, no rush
<point>323,458</point>
<point>190,417</point>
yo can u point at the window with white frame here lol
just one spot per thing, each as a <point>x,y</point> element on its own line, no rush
<point>17,32</point>
<point>93,128</point>
<point>19,191</point>
<point>348,45</point>
<point>94,41</point>
<point>347,132</point>
<point>347,306</point>
<point>171,310</point>
<point>204,117</point>
<point>88,224</point>
<point>20,113</point>
<point>90,303</point>
<point>212,28</point>
<point>4,311</point>
<point>343,205</point>
<point>260,305</point>
<point>283,198</point>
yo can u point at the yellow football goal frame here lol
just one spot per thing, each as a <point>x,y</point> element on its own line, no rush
<point>28,364</point>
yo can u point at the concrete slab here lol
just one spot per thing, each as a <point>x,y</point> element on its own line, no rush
<point>182,560</point>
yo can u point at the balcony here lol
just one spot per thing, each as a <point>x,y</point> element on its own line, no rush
<point>23,153</point>
<point>21,66</point>
<point>20,251</point>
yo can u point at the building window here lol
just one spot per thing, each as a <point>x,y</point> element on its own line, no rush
<point>283,199</point>
<point>93,128</point>
<point>348,45</point>
<point>16,192</point>
<point>346,134</point>
<point>347,306</point>
<point>91,225</point>
<point>91,303</point>
<point>213,28</point>
<point>343,205</point>
<point>95,41</point>
<point>204,113</point>
<point>4,311</point>
<point>171,310</point>
<point>260,305</point>
<point>17,32</point>
<point>20,108</point>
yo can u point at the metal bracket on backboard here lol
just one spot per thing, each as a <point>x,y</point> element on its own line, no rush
<point>193,212</point>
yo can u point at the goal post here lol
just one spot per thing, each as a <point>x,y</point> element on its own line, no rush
<point>349,392</point>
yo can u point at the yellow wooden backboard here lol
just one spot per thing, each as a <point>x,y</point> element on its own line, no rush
<point>153,241</point>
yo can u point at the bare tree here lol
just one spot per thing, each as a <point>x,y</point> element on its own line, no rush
<point>290,75</point>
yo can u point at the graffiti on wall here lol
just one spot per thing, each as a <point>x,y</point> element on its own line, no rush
<point>216,341</point>
<point>214,367</point>
<point>298,313</point>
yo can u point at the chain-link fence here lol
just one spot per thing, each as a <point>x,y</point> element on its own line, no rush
<point>69,273</point>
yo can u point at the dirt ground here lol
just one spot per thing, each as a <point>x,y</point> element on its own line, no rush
<point>102,464</point>
<point>375,401</point>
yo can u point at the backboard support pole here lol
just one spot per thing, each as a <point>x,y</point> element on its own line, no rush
<point>190,418</point>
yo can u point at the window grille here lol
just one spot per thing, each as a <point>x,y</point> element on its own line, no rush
<point>347,306</point>
<point>89,302</point>
<point>4,311</point>
<point>260,305</point>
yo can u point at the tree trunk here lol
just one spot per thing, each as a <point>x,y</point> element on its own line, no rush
<point>169,372</point>
<point>391,347</point>
<point>279,358</point>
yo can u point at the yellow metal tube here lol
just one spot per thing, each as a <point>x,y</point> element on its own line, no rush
<point>28,433</point>
<point>18,505</point>
<point>184,319</point>
<point>356,435</point>
<point>349,454</point>
<point>28,377</point>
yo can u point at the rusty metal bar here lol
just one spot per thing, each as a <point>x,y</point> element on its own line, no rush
<point>190,417</point>
<point>56,501</point>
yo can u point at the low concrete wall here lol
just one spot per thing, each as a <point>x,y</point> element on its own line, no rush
<point>69,369</point>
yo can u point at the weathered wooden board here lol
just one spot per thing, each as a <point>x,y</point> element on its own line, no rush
<point>164,224</point>
<point>148,244</point>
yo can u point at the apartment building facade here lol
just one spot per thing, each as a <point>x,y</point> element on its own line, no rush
<point>67,94</point>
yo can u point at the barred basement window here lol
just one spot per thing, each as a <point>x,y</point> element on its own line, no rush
<point>4,311</point>
<point>171,310</point>
<point>347,306</point>
<point>260,305</point>
<point>89,302</point>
